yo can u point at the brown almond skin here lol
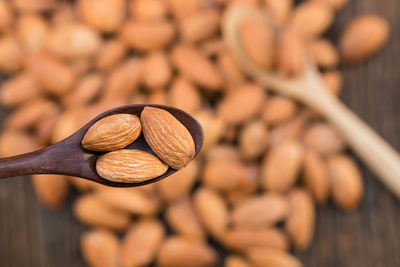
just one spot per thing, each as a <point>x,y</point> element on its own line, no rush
<point>112,133</point>
<point>129,166</point>
<point>141,242</point>
<point>185,252</point>
<point>167,137</point>
<point>347,184</point>
<point>300,223</point>
<point>100,248</point>
<point>363,37</point>
<point>52,190</point>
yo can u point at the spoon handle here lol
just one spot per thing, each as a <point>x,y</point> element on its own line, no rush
<point>24,164</point>
<point>380,156</point>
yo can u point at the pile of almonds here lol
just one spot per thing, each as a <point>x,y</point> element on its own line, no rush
<point>266,163</point>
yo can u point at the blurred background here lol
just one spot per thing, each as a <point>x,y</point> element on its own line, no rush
<point>64,62</point>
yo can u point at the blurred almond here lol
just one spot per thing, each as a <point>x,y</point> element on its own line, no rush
<point>300,223</point>
<point>184,95</point>
<point>347,184</point>
<point>258,41</point>
<point>63,13</point>
<point>128,199</point>
<point>141,242</point>
<point>230,69</point>
<point>167,137</point>
<point>311,19</point>
<point>223,152</point>
<point>278,109</point>
<point>94,213</point>
<point>236,261</point>
<point>253,139</point>
<point>336,4</point>
<point>52,190</point>
<point>242,239</point>
<point>86,89</point>
<point>145,36</point>
<point>281,166</point>
<point>316,176</point>
<point>191,63</point>
<point>14,142</point>
<point>290,54</point>
<point>213,128</point>
<point>183,8</point>
<point>6,15</point>
<point>103,15</point>
<point>364,36</point>
<point>262,257</point>
<point>189,226</point>
<point>100,248</point>
<point>290,130</point>
<point>10,54</point>
<point>148,10</point>
<point>280,10</point>
<point>110,54</point>
<point>333,82</point>
<point>180,183</point>
<point>185,252</point>
<point>34,5</point>
<point>68,123</point>
<point>200,25</point>
<point>324,53</point>
<point>129,166</point>
<point>158,97</point>
<point>18,89</point>
<point>252,212</point>
<point>323,138</point>
<point>44,127</point>
<point>212,211</point>
<point>242,103</point>
<point>156,70</point>
<point>32,31</point>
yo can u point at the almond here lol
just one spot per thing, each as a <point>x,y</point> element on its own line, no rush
<point>156,70</point>
<point>184,252</point>
<point>129,166</point>
<point>235,107</point>
<point>52,190</point>
<point>290,130</point>
<point>280,10</point>
<point>158,97</point>
<point>10,54</point>
<point>6,16</point>
<point>230,69</point>
<point>261,257</point>
<point>336,4</point>
<point>180,183</point>
<point>92,212</point>
<point>333,82</point>
<point>213,128</point>
<point>258,42</point>
<point>129,200</point>
<point>200,25</point>
<point>67,124</point>
<point>347,184</point>
<point>86,89</point>
<point>212,211</point>
<point>190,226</point>
<point>300,223</point>
<point>242,239</point>
<point>184,95</point>
<point>142,242</point>
<point>253,139</point>
<point>223,152</point>
<point>112,132</point>
<point>364,36</point>
<point>18,89</point>
<point>103,15</point>
<point>191,63</point>
<point>290,54</point>
<point>34,5</point>
<point>281,166</point>
<point>145,36</point>
<point>167,137</point>
<point>324,53</point>
<point>14,142</point>
<point>278,109</point>
<point>183,8</point>
<point>100,248</point>
<point>323,138</point>
<point>110,54</point>
<point>235,261</point>
<point>316,176</point>
<point>252,212</point>
<point>148,10</point>
<point>32,31</point>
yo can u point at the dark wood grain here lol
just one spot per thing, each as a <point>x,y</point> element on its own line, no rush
<point>370,237</point>
<point>68,157</point>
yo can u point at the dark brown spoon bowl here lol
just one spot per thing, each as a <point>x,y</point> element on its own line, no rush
<point>68,157</point>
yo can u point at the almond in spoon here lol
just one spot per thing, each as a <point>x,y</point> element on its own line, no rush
<point>167,137</point>
<point>112,133</point>
<point>129,166</point>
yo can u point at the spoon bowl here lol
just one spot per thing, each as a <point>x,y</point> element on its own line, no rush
<point>68,157</point>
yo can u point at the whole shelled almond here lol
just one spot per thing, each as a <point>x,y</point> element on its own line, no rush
<point>323,138</point>
<point>278,109</point>
<point>347,184</point>
<point>213,128</point>
<point>111,53</point>
<point>289,130</point>
<point>148,10</point>
<point>290,54</point>
<point>112,133</point>
<point>183,8</point>
<point>52,190</point>
<point>235,261</point>
<point>6,15</point>
<point>324,53</point>
<point>20,88</point>
<point>261,257</point>
<point>32,31</point>
<point>300,222</point>
<point>223,152</point>
<point>10,54</point>
<point>129,166</point>
<point>184,95</point>
<point>282,165</point>
<point>253,139</point>
<point>86,89</point>
<point>100,248</point>
<point>141,242</point>
<point>14,142</point>
<point>230,69</point>
<point>184,252</point>
<point>251,212</point>
<point>280,10</point>
<point>146,36</point>
<point>103,15</point>
<point>200,25</point>
<point>190,226</point>
<point>167,137</point>
<point>156,70</point>
<point>191,63</point>
<point>242,239</point>
<point>363,37</point>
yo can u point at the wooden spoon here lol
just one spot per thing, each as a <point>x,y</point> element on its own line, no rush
<point>308,88</point>
<point>68,157</point>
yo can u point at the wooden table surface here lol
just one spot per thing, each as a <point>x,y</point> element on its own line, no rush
<point>33,236</point>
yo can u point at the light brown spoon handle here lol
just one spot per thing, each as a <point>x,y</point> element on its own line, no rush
<point>376,153</point>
